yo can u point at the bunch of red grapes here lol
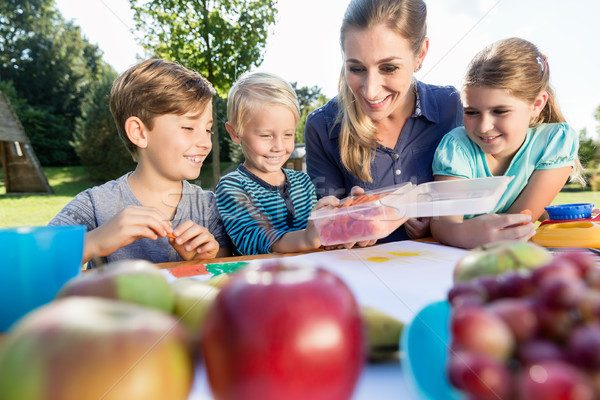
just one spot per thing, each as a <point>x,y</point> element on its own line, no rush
<point>528,336</point>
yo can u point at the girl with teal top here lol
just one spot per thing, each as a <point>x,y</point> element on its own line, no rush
<point>512,127</point>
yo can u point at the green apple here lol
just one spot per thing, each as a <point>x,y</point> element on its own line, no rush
<point>193,299</point>
<point>85,348</point>
<point>499,257</point>
<point>135,281</point>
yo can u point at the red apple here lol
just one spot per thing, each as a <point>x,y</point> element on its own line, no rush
<point>85,348</point>
<point>284,332</point>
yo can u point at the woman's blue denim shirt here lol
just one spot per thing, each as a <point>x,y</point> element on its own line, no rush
<point>437,112</point>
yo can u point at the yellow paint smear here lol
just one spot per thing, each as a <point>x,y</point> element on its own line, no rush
<point>378,259</point>
<point>404,253</point>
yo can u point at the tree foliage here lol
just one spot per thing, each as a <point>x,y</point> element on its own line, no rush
<point>96,139</point>
<point>587,149</point>
<point>220,39</point>
<point>309,98</point>
<point>50,67</point>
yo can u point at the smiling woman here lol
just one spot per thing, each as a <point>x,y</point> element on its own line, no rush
<point>384,126</point>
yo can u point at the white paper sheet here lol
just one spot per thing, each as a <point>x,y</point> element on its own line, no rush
<point>399,278</point>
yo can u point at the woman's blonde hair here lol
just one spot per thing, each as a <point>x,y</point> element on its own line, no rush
<point>357,131</point>
<point>255,89</point>
<point>517,66</point>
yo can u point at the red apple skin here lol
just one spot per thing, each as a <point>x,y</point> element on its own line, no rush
<point>85,348</point>
<point>284,332</point>
<point>480,330</point>
<point>553,380</point>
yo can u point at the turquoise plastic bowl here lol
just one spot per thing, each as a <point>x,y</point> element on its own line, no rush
<point>35,263</point>
<point>425,343</point>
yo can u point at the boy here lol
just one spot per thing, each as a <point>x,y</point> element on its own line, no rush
<point>163,113</point>
<point>264,207</point>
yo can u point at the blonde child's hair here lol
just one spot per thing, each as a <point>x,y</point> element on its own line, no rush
<point>252,91</point>
<point>408,18</point>
<point>153,88</point>
<point>519,67</point>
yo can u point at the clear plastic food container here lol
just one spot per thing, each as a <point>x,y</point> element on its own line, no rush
<point>377,213</point>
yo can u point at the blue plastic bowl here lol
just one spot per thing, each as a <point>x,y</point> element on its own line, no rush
<point>425,343</point>
<point>36,262</point>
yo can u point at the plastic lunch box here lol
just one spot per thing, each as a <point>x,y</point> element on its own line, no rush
<point>570,225</point>
<point>378,213</point>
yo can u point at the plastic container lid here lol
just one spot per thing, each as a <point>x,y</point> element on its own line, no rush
<point>378,213</point>
<point>570,211</point>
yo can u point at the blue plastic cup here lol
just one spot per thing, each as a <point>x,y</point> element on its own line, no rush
<point>35,262</point>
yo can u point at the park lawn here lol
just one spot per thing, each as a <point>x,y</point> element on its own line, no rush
<point>37,210</point>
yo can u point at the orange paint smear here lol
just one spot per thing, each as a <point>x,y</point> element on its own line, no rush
<point>188,270</point>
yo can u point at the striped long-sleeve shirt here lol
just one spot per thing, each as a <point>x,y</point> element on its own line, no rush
<point>257,214</point>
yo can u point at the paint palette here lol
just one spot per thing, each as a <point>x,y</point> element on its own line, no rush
<point>376,214</point>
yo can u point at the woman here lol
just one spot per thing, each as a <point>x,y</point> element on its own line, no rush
<point>384,126</point>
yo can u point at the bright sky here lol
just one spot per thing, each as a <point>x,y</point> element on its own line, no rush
<point>304,44</point>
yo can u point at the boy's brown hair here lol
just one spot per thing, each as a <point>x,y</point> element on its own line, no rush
<point>153,88</point>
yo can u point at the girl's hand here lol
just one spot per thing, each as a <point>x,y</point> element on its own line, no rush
<point>495,227</point>
<point>194,242</point>
<point>417,227</point>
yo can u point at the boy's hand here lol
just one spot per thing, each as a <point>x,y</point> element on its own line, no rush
<point>327,201</point>
<point>194,242</point>
<point>129,225</point>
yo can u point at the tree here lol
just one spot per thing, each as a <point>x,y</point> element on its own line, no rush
<point>220,39</point>
<point>598,119</point>
<point>96,140</point>
<point>50,66</point>
<point>309,98</point>
<point>587,149</point>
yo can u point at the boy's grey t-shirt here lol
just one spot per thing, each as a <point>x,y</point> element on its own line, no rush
<point>96,206</point>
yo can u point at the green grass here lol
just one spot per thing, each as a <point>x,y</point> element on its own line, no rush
<point>37,210</point>
<point>578,197</point>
